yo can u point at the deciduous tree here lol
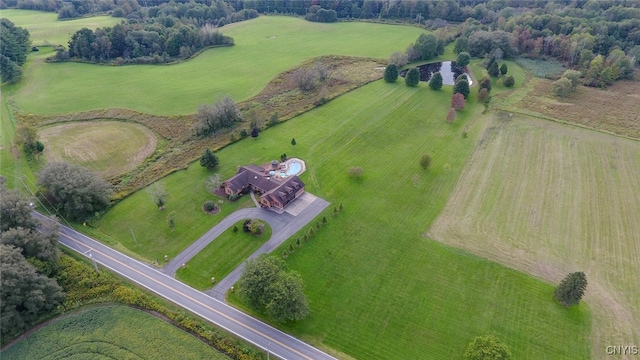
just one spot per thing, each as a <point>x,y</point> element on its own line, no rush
<point>13,50</point>
<point>15,210</point>
<point>427,46</point>
<point>158,195</point>
<point>509,81</point>
<point>487,347</point>
<point>287,301</point>
<point>451,114</point>
<point>485,83</point>
<point>425,161</point>
<point>571,289</point>
<point>457,101</point>
<point>74,191</point>
<point>562,87</point>
<point>483,95</point>
<point>223,114</point>
<point>25,295</point>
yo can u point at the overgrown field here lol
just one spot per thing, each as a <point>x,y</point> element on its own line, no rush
<point>110,332</point>
<point>220,257</point>
<point>377,288</point>
<point>109,148</point>
<point>550,199</point>
<point>45,28</point>
<point>613,110</point>
<point>265,46</point>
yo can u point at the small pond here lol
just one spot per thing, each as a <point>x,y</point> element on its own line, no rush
<point>447,69</point>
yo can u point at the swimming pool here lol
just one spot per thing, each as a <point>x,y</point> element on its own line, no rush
<point>293,168</point>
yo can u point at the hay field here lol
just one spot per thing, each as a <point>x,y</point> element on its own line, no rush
<point>264,47</point>
<point>109,148</point>
<point>550,199</point>
<point>45,28</point>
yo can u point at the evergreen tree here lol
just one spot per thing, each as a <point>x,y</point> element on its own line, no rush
<point>209,159</point>
<point>463,59</point>
<point>462,87</point>
<point>503,69</point>
<point>413,77</point>
<point>494,69</point>
<point>435,82</point>
<point>293,142</point>
<point>254,132</point>
<point>391,73</point>
<point>571,289</point>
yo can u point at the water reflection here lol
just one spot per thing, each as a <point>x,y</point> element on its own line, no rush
<point>447,69</point>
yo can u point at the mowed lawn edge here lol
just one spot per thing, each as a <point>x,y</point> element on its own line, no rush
<point>372,284</point>
<point>572,206</point>
<point>264,47</point>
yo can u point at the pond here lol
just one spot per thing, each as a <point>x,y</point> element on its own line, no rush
<point>447,69</point>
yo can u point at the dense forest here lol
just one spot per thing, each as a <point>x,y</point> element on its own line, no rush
<point>600,38</point>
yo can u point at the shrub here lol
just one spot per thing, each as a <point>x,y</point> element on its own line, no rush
<point>355,172</point>
<point>509,81</point>
<point>483,95</point>
<point>425,161</point>
<point>209,206</point>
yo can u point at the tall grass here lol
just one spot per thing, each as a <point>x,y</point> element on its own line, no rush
<point>110,332</point>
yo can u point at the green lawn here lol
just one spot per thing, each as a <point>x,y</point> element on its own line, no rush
<point>379,288</point>
<point>221,256</point>
<point>153,238</point>
<point>110,332</point>
<point>264,47</point>
<point>13,162</point>
<point>45,28</point>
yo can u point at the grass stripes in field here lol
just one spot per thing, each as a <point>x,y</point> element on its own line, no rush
<point>552,199</point>
<point>221,256</point>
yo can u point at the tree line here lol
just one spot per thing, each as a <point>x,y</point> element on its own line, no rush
<point>140,43</point>
<point>28,263</point>
<point>14,47</point>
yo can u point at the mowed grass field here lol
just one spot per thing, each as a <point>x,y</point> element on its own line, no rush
<point>45,28</point>
<point>110,332</point>
<point>550,199</point>
<point>221,256</point>
<point>264,47</point>
<point>377,288</point>
<point>108,148</point>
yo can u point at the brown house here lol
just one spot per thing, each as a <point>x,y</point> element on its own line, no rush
<point>275,190</point>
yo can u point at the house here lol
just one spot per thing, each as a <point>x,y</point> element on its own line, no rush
<point>275,188</point>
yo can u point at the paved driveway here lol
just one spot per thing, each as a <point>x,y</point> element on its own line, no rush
<point>283,226</point>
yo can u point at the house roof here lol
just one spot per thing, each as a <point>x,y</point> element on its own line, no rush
<point>282,190</point>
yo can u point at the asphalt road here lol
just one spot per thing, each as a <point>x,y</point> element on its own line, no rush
<point>261,335</point>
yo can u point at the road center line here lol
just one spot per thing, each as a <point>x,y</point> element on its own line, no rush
<point>190,298</point>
